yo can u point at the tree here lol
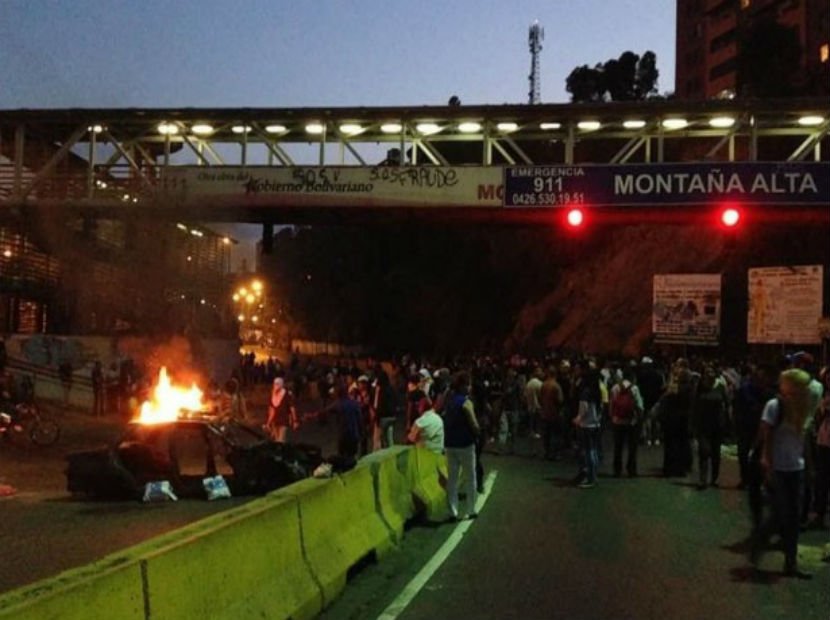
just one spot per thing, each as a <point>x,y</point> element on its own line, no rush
<point>627,78</point>
<point>769,56</point>
<point>586,84</point>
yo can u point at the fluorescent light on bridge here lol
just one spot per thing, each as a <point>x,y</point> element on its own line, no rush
<point>589,125</point>
<point>427,129</point>
<point>315,128</point>
<point>202,129</point>
<point>240,129</point>
<point>391,128</point>
<point>550,126</point>
<point>634,124</point>
<point>810,121</point>
<point>95,128</point>
<point>507,127</point>
<point>276,129</point>
<point>351,129</point>
<point>722,122</point>
<point>675,123</point>
<point>168,129</point>
<point>469,127</point>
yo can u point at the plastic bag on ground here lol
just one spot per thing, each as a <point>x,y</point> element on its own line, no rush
<point>160,491</point>
<point>216,488</point>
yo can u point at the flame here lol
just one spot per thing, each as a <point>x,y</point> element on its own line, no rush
<point>168,401</point>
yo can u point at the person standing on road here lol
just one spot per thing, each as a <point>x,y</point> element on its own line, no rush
<point>708,421</point>
<point>587,421</point>
<point>460,432</point>
<point>755,390</point>
<point>674,411</point>
<point>531,393</point>
<point>626,411</point>
<point>65,374</point>
<point>281,411</point>
<point>651,383</point>
<point>98,391</point>
<point>782,463</point>
<point>822,493</point>
<point>384,403</point>
<point>551,399</point>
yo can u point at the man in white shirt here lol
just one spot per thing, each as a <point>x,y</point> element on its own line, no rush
<point>428,429</point>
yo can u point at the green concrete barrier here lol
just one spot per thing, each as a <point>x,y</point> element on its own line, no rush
<point>393,487</point>
<point>340,525</point>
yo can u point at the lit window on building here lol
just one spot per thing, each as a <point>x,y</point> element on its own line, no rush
<point>824,52</point>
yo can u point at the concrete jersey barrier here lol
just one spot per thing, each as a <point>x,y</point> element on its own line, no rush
<point>285,555</point>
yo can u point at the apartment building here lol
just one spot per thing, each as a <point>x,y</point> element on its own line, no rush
<point>708,40</point>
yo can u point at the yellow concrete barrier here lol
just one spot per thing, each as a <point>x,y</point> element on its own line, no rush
<point>393,486</point>
<point>112,584</point>
<point>243,563</point>
<point>246,563</point>
<point>428,474</point>
<point>340,525</point>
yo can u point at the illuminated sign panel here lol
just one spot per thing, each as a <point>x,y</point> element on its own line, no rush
<point>667,184</point>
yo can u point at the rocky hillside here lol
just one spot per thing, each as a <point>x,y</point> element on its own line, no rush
<point>436,289</point>
<point>603,301</point>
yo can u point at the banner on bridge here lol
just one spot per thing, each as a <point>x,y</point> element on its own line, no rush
<point>785,305</point>
<point>779,183</point>
<point>686,308</point>
<point>336,186</point>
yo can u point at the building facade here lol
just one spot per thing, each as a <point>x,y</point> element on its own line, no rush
<point>709,33</point>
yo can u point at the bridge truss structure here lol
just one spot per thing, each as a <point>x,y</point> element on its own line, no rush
<point>122,163</point>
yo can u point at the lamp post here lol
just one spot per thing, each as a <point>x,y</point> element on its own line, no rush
<point>250,310</point>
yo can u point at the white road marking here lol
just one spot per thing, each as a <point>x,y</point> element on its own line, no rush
<point>397,607</point>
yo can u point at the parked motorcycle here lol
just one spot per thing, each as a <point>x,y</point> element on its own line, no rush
<point>25,420</point>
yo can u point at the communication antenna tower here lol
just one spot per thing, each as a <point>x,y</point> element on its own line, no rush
<point>534,40</point>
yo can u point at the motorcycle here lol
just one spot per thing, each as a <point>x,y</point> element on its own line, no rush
<point>25,420</point>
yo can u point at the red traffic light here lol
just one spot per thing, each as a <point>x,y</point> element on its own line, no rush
<point>730,216</point>
<point>575,218</point>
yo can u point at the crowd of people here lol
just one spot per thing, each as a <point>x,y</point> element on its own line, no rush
<point>776,413</point>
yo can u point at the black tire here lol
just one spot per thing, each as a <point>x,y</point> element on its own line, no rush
<point>44,432</point>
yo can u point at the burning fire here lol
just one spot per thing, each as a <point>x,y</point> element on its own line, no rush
<point>168,401</point>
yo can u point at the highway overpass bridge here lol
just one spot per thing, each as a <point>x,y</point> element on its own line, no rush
<point>492,162</point>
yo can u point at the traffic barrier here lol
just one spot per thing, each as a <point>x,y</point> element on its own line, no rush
<point>339,525</point>
<point>428,474</point>
<point>112,584</point>
<point>393,488</point>
<point>245,563</point>
<point>286,555</point>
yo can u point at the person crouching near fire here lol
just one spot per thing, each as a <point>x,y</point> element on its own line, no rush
<point>281,412</point>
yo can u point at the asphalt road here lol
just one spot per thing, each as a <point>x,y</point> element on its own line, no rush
<point>646,548</point>
<point>44,530</point>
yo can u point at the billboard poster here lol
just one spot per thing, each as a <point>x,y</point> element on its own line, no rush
<point>334,186</point>
<point>785,305</point>
<point>686,308</point>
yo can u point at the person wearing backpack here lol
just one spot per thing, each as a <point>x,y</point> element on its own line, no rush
<point>626,409</point>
